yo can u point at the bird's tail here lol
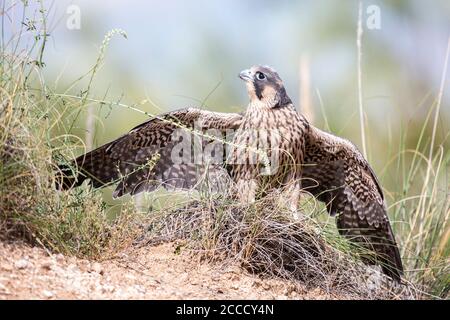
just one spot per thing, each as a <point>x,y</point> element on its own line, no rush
<point>96,165</point>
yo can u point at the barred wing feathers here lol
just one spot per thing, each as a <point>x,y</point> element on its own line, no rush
<point>141,159</point>
<point>336,173</point>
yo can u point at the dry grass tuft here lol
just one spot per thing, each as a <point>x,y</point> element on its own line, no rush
<point>265,240</point>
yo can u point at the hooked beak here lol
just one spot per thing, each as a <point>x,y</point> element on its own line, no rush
<point>246,75</point>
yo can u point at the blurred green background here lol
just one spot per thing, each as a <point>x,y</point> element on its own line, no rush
<point>188,53</point>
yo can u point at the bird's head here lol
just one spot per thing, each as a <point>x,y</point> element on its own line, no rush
<point>265,87</point>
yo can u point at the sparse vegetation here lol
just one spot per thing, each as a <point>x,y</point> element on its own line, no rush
<point>264,239</point>
<point>76,222</point>
<point>35,134</point>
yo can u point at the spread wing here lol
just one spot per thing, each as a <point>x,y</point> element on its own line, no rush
<point>336,173</point>
<point>153,154</point>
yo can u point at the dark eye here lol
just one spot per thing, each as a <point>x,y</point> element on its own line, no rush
<point>260,76</point>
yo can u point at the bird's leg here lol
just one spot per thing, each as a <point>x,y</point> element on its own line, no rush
<point>290,197</point>
<point>294,197</point>
<point>246,190</point>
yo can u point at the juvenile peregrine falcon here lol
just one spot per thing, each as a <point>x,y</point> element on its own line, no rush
<point>272,147</point>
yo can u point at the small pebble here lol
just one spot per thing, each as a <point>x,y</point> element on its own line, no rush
<point>47,265</point>
<point>21,264</point>
<point>47,294</point>
<point>97,267</point>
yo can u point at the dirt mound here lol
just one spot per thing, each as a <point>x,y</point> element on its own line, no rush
<point>158,272</point>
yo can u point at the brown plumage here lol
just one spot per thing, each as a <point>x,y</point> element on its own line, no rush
<point>336,173</point>
<point>127,160</point>
<point>272,147</point>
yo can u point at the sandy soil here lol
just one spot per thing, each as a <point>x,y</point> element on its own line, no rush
<point>137,273</point>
